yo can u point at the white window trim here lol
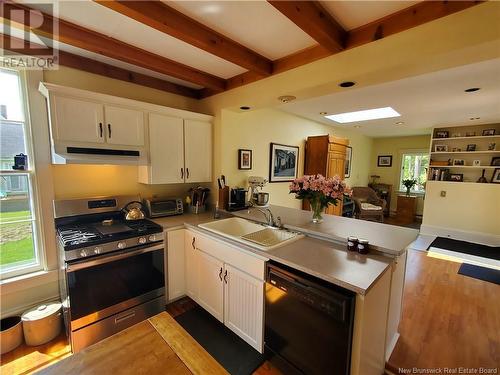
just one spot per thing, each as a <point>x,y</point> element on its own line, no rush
<point>411,151</point>
<point>37,128</point>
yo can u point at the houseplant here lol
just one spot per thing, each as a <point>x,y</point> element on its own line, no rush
<point>319,191</point>
<point>408,183</point>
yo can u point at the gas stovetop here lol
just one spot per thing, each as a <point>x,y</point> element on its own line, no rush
<point>74,236</point>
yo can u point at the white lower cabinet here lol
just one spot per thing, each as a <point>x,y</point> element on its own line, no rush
<point>235,296</point>
<point>176,281</point>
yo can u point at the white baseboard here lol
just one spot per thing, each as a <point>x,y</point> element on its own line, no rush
<point>390,346</point>
<point>476,237</point>
<point>18,310</point>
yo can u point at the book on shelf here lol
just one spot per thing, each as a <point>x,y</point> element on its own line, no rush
<point>439,174</point>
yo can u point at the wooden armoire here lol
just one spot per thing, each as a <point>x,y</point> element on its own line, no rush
<point>326,155</point>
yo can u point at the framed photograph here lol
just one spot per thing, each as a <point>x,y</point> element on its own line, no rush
<point>441,148</point>
<point>495,161</point>
<point>456,177</point>
<point>476,163</point>
<point>442,134</point>
<point>471,147</point>
<point>283,164</point>
<point>348,162</point>
<point>384,161</point>
<point>489,132</point>
<point>244,159</point>
<point>492,146</point>
<point>495,179</point>
<point>458,162</point>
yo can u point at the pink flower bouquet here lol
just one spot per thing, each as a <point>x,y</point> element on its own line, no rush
<point>319,191</point>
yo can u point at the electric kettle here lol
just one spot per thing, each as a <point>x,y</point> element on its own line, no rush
<point>133,211</point>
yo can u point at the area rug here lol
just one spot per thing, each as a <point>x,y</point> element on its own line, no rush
<point>470,248</point>
<point>234,354</point>
<point>481,273</point>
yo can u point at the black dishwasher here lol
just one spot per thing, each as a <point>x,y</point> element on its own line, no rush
<point>309,323</point>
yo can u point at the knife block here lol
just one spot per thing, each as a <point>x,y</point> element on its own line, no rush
<point>224,198</point>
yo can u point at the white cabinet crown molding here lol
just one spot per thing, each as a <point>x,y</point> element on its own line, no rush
<point>49,88</point>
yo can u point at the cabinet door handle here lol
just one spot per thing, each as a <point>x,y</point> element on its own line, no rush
<point>182,173</point>
<point>225,277</point>
<point>109,130</point>
<point>220,274</point>
<point>100,129</point>
<point>192,243</point>
<point>187,172</point>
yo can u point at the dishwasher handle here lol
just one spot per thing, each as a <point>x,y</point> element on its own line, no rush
<point>333,304</point>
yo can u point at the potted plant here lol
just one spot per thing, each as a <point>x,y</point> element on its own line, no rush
<point>408,184</point>
<point>320,192</point>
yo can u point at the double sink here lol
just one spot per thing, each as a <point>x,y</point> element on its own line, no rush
<point>261,236</point>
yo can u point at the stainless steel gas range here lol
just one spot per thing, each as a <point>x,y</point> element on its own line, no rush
<point>112,270</point>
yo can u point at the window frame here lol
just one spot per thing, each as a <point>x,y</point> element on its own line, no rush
<point>33,192</point>
<point>423,152</point>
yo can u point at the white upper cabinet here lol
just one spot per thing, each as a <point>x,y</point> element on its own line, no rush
<point>124,126</point>
<point>77,120</point>
<point>198,151</point>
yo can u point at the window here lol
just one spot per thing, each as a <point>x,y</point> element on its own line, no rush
<point>414,166</point>
<point>19,245</point>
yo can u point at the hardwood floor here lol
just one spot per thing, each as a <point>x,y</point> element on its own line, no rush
<point>449,320</point>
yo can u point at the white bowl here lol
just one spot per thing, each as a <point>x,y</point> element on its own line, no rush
<point>11,334</point>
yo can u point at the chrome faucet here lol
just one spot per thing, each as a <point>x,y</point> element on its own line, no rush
<point>271,221</point>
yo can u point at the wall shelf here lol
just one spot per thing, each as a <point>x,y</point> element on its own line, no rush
<point>460,182</point>
<point>474,137</point>
<point>464,152</point>
<point>465,166</point>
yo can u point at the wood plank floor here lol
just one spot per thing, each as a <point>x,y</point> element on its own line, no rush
<point>449,320</point>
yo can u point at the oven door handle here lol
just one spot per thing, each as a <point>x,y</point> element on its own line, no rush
<point>95,262</point>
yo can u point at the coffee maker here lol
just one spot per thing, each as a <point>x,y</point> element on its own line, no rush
<point>237,199</point>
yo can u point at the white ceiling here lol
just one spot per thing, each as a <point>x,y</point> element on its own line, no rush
<point>352,14</point>
<point>423,101</point>
<point>253,23</point>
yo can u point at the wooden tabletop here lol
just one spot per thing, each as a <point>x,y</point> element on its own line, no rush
<point>157,346</point>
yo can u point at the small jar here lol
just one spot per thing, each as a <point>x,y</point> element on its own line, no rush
<point>352,243</point>
<point>363,246</point>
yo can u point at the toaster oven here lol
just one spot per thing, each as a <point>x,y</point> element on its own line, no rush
<point>164,207</point>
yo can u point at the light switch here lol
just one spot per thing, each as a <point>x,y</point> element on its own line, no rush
<point>443,193</point>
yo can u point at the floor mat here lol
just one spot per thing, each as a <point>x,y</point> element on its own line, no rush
<point>234,354</point>
<point>470,248</point>
<point>481,273</point>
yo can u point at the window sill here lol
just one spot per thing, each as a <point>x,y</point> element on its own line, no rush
<point>30,280</point>
<point>411,192</point>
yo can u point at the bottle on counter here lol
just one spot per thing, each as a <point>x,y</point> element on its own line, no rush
<point>363,246</point>
<point>352,243</point>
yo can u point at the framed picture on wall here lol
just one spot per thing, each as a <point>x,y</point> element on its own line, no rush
<point>244,159</point>
<point>495,179</point>
<point>384,161</point>
<point>283,163</point>
<point>348,162</point>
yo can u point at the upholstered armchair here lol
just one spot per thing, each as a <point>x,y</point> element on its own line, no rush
<point>368,204</point>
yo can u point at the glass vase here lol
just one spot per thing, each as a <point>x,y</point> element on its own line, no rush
<point>408,191</point>
<point>317,210</point>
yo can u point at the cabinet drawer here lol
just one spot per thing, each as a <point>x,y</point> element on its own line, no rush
<point>250,264</point>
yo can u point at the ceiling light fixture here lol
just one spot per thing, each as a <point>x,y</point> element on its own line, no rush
<point>472,89</point>
<point>357,126</point>
<point>474,118</point>
<point>368,114</point>
<point>347,84</point>
<point>244,108</point>
<point>286,98</point>
<point>323,113</point>
<point>400,123</point>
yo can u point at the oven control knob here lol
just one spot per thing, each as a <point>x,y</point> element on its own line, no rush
<point>121,245</point>
<point>142,240</point>
<point>152,237</point>
<point>97,250</point>
<point>83,253</point>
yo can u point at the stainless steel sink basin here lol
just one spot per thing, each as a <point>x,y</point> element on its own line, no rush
<point>250,233</point>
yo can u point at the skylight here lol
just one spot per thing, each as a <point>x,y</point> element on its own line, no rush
<point>368,114</point>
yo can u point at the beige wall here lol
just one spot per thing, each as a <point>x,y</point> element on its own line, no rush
<point>256,129</point>
<point>395,146</point>
<point>469,210</point>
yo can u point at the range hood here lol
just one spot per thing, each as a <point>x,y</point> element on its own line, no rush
<point>76,154</point>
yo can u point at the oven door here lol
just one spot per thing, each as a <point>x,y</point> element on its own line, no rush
<point>104,286</point>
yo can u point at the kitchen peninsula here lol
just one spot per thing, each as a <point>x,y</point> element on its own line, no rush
<point>376,279</point>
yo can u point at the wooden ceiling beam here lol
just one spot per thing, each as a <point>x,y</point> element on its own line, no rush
<point>168,20</point>
<point>89,40</point>
<point>313,19</point>
<point>96,67</point>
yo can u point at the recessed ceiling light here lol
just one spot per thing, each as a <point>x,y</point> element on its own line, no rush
<point>323,113</point>
<point>400,123</point>
<point>357,126</point>
<point>244,108</point>
<point>286,98</point>
<point>367,114</point>
<point>474,118</point>
<point>472,89</point>
<point>347,84</point>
